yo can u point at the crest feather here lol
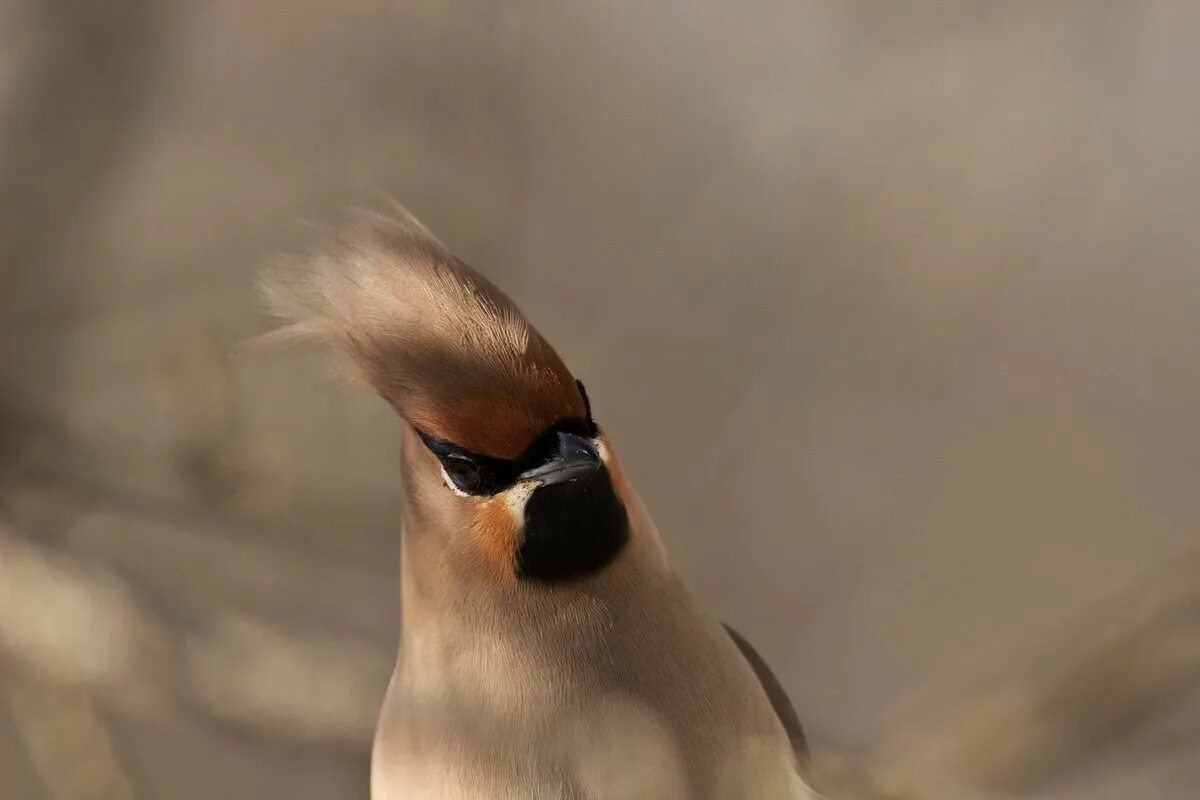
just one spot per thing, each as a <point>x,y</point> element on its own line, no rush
<point>438,340</point>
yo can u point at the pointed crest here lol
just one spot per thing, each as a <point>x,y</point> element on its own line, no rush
<point>438,340</point>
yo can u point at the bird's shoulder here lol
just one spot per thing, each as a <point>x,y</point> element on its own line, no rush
<point>775,692</point>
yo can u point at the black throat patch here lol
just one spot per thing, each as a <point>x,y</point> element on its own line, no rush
<point>572,529</point>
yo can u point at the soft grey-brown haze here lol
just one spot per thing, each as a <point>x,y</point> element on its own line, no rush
<point>893,310</point>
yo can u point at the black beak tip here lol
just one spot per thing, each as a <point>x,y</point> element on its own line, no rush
<point>572,448</point>
<point>576,457</point>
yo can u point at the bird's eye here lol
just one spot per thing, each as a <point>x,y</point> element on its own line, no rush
<point>465,474</point>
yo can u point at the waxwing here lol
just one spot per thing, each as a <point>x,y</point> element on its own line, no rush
<point>547,649</point>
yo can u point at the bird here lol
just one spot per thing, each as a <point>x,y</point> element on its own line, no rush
<point>547,648</point>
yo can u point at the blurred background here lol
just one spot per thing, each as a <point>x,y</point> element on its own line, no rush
<point>892,310</point>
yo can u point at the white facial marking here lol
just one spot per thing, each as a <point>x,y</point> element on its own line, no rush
<point>518,495</point>
<point>450,484</point>
<point>516,498</point>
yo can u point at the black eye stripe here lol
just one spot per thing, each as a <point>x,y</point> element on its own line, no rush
<point>497,474</point>
<point>493,474</point>
<point>465,473</point>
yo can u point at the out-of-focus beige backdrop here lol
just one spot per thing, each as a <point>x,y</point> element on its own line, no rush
<point>893,311</point>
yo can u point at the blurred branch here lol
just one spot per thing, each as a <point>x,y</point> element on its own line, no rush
<point>74,614</point>
<point>195,562</point>
<point>1128,663</point>
<point>79,624</point>
<point>57,724</point>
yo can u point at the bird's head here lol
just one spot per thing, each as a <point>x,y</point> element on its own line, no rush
<point>504,465</point>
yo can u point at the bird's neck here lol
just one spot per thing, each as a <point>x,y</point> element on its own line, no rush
<point>449,607</point>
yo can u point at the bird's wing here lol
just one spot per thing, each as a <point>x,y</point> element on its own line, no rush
<point>775,693</point>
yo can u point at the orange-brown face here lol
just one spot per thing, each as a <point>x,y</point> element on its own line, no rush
<point>496,529</point>
<point>555,512</point>
<point>509,429</point>
<point>498,411</point>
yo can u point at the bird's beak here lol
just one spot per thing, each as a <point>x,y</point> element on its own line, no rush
<point>576,457</point>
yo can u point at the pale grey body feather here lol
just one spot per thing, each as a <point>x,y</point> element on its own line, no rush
<point>618,686</point>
